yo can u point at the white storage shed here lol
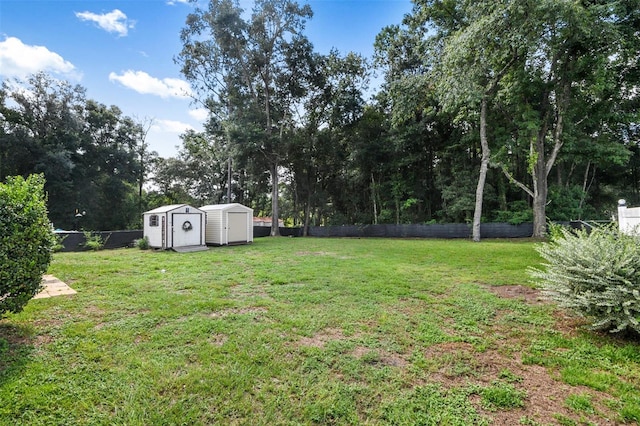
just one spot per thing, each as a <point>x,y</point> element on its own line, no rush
<point>174,226</point>
<point>628,218</point>
<point>228,224</point>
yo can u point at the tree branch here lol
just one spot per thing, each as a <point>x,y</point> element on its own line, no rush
<point>515,181</point>
<point>557,134</point>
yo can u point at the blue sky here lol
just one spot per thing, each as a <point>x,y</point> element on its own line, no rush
<point>122,51</point>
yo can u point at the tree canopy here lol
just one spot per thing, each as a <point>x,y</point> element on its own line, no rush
<point>87,151</point>
<point>508,111</point>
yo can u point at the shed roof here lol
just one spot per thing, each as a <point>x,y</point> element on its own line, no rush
<point>225,206</point>
<point>168,208</point>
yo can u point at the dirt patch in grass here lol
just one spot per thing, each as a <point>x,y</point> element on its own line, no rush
<point>379,357</point>
<point>218,339</point>
<point>319,340</point>
<point>14,334</point>
<point>520,292</point>
<point>253,310</point>
<point>314,253</point>
<point>322,253</point>
<point>241,291</point>
<point>48,324</point>
<point>42,340</point>
<point>545,396</point>
<point>569,324</point>
<point>460,365</point>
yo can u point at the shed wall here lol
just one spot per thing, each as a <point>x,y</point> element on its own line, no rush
<point>214,234</point>
<point>154,233</point>
<point>228,223</point>
<point>170,221</point>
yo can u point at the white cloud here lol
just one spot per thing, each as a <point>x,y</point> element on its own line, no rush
<point>20,60</point>
<point>143,83</point>
<point>173,2</point>
<point>164,136</point>
<point>113,22</point>
<point>199,114</point>
<point>171,126</point>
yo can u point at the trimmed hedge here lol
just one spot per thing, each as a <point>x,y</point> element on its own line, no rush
<point>26,241</point>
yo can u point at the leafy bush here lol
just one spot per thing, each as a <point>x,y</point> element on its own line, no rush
<point>58,242</point>
<point>519,212</point>
<point>26,240</point>
<point>94,241</point>
<point>569,203</point>
<point>597,274</point>
<point>142,243</point>
<point>555,231</point>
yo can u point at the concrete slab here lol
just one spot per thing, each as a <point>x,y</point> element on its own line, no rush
<point>189,249</point>
<point>53,287</point>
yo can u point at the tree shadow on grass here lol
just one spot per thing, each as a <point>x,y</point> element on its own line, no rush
<point>16,346</point>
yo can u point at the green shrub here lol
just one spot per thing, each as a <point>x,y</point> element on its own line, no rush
<point>26,240</point>
<point>94,241</point>
<point>58,242</point>
<point>518,212</point>
<point>555,231</point>
<point>597,274</point>
<point>142,243</point>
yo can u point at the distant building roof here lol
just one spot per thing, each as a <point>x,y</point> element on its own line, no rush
<point>265,221</point>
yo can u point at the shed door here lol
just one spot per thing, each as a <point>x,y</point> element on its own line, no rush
<point>237,227</point>
<point>186,229</point>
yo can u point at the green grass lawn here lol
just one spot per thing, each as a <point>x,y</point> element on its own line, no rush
<point>310,331</point>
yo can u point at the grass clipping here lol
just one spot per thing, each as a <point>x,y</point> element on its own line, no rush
<point>596,274</point>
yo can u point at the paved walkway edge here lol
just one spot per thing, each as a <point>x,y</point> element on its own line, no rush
<point>53,287</point>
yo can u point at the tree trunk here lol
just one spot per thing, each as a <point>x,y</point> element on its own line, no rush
<point>586,186</point>
<point>502,193</point>
<point>373,199</point>
<point>140,185</point>
<point>143,165</point>
<point>484,166</point>
<point>307,215</point>
<point>542,166</point>
<point>539,188</point>
<point>229,173</point>
<point>275,229</point>
<point>539,209</point>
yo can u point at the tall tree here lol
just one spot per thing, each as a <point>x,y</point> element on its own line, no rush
<point>44,132</point>
<point>206,166</point>
<point>145,158</point>
<point>331,107</point>
<point>475,59</point>
<point>107,168</point>
<point>573,68</point>
<point>530,73</point>
<point>236,65</point>
<point>85,150</point>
